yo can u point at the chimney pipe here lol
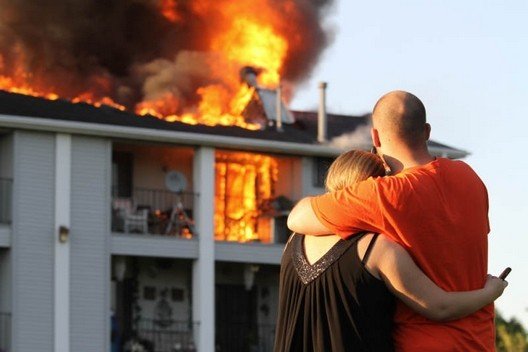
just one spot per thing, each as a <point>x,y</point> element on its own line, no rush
<point>249,75</point>
<point>321,116</point>
<point>278,111</point>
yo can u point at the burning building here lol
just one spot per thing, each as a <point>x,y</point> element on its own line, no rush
<point>148,162</point>
<point>175,226</point>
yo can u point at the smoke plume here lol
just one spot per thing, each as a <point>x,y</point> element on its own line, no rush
<point>359,137</point>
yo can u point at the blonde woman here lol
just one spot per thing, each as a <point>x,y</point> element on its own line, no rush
<point>339,295</point>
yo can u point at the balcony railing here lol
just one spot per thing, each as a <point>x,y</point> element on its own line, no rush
<point>245,337</point>
<point>167,335</point>
<point>154,211</point>
<point>5,200</point>
<point>5,332</point>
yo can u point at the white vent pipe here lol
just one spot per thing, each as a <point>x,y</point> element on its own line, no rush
<point>278,114</point>
<point>321,116</point>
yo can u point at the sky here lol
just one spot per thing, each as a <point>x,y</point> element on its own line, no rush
<point>468,62</point>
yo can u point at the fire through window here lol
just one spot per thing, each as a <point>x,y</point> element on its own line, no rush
<point>245,185</point>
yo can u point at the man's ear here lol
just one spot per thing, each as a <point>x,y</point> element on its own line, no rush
<point>375,137</point>
<point>427,131</point>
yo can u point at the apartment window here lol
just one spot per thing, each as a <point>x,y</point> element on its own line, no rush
<point>321,166</point>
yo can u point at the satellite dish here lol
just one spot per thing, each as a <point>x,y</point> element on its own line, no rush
<point>175,181</point>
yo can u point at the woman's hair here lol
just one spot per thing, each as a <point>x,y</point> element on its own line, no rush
<point>351,167</point>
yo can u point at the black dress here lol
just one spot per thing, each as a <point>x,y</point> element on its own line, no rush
<point>334,304</point>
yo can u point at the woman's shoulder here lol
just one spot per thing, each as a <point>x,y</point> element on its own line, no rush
<point>294,237</point>
<point>388,245</point>
<point>382,249</point>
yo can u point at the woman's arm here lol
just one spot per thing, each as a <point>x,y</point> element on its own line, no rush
<point>302,219</point>
<point>415,289</point>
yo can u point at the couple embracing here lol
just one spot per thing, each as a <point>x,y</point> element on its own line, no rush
<point>397,262</point>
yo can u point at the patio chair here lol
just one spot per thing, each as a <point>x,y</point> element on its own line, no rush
<point>131,216</point>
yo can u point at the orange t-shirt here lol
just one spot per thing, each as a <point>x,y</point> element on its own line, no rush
<point>439,213</point>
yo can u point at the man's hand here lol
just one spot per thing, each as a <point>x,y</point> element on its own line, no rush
<point>495,286</point>
<point>302,219</point>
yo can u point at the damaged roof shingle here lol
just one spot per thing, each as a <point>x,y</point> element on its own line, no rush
<point>304,130</point>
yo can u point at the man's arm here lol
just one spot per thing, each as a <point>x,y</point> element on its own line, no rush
<point>345,212</point>
<point>303,220</point>
<point>405,280</point>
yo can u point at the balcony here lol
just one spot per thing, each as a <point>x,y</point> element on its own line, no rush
<point>165,336</point>
<point>252,197</point>
<point>5,200</point>
<point>155,212</point>
<point>5,332</point>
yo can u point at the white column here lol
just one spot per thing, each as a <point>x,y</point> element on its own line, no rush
<point>203,305</point>
<point>62,249</point>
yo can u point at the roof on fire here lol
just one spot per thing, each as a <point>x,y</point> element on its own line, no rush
<point>303,131</point>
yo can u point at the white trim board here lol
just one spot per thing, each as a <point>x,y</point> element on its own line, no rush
<point>62,250</point>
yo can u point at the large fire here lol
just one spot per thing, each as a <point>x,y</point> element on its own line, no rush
<point>244,188</point>
<point>244,34</point>
<point>243,43</point>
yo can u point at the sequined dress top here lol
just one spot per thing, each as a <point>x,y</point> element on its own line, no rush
<point>335,304</point>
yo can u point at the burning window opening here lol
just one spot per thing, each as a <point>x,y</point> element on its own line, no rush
<point>244,190</point>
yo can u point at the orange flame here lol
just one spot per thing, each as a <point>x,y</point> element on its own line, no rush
<point>253,44</point>
<point>243,43</point>
<point>20,86</point>
<point>89,99</point>
<point>244,186</point>
<point>244,34</point>
<point>7,84</point>
<point>168,10</point>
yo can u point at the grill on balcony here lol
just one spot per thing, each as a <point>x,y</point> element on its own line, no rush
<point>153,211</point>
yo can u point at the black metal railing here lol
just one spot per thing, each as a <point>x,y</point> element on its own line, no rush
<point>167,335</point>
<point>5,332</point>
<point>154,211</point>
<point>245,337</point>
<point>6,200</point>
<point>157,199</point>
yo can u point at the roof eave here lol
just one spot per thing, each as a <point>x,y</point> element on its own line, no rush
<point>448,153</point>
<point>202,139</point>
<point>176,137</point>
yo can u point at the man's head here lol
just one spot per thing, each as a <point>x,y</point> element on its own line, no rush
<point>398,122</point>
<point>351,167</point>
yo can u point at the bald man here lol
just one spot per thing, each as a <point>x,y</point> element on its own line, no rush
<point>435,207</point>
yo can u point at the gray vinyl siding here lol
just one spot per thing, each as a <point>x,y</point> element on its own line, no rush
<point>32,245</point>
<point>89,256</point>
